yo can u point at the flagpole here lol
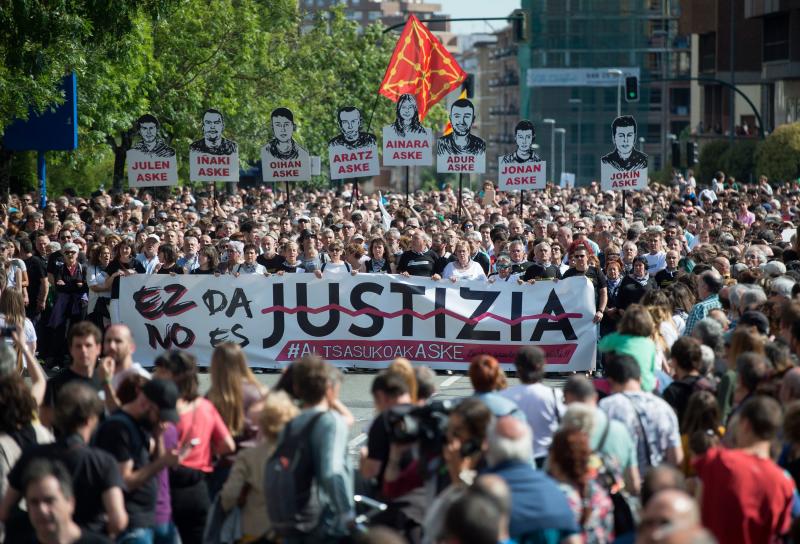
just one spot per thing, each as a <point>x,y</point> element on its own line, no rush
<point>288,204</point>
<point>521,200</point>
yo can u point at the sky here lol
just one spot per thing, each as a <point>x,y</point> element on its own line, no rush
<point>477,8</point>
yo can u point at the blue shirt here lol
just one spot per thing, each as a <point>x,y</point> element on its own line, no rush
<point>538,506</point>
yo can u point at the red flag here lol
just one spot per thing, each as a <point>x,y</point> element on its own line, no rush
<point>421,66</point>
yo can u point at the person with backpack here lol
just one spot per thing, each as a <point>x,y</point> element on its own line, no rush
<point>126,436</point>
<point>307,481</point>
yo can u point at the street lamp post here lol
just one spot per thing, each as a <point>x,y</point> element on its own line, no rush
<point>579,103</point>
<point>617,72</point>
<point>563,133</point>
<point>552,123</point>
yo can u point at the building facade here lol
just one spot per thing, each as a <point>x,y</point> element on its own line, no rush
<point>568,74</point>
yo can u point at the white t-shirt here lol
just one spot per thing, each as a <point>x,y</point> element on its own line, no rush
<point>473,272</point>
<point>135,370</point>
<point>655,262</point>
<point>96,276</point>
<point>28,329</point>
<point>337,269</point>
<point>543,406</point>
<point>16,264</point>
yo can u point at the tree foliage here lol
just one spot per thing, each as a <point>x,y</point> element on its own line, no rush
<point>778,157</point>
<point>243,57</point>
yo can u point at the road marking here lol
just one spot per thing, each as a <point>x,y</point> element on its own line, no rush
<point>357,441</point>
<point>450,381</point>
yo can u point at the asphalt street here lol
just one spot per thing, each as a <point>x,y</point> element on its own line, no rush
<point>355,394</point>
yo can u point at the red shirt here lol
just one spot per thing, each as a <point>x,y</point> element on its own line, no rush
<point>745,498</point>
<point>205,424</point>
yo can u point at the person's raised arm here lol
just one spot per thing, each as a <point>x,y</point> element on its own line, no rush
<point>385,216</point>
<point>35,372</point>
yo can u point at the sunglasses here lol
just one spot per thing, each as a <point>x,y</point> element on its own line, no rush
<point>70,252</point>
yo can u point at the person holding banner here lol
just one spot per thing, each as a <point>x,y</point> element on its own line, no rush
<point>579,266</point>
<point>463,268</point>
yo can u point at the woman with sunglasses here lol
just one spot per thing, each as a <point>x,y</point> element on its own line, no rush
<point>71,298</point>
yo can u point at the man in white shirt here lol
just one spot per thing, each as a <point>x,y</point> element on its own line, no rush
<point>118,363</point>
<point>656,257</point>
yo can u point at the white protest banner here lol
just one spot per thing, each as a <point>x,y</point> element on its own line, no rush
<point>567,179</point>
<point>213,158</point>
<point>625,167</point>
<point>151,162</point>
<point>145,171</point>
<point>461,152</point>
<point>353,153</point>
<point>578,77</point>
<point>521,176</point>
<point>406,142</point>
<point>282,158</point>
<point>362,321</point>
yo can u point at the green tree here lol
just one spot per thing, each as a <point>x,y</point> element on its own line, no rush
<point>711,160</point>
<point>739,160</point>
<point>778,157</point>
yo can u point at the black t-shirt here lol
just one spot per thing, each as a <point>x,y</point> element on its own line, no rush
<point>65,376</point>
<point>93,472</point>
<point>595,275</point>
<point>665,278</point>
<point>272,264</point>
<point>379,442</point>
<point>37,271</point>
<point>203,272</point>
<point>483,259</point>
<point>115,265</point>
<point>538,272</point>
<point>417,264</point>
<point>115,435</point>
<point>174,269</point>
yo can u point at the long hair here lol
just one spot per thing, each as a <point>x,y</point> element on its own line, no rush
<point>415,127</point>
<point>12,306</point>
<point>406,370</point>
<point>229,371</point>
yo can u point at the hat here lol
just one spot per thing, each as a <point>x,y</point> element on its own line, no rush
<point>69,246</point>
<point>164,394</point>
<point>303,218</point>
<point>358,235</point>
<point>755,319</point>
<point>154,237</point>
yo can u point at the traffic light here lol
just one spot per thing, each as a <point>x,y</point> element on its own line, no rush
<point>692,154</point>
<point>469,85</point>
<point>676,154</point>
<point>632,89</point>
<point>519,24</point>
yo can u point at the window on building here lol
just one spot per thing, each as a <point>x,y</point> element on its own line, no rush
<point>776,38</point>
<point>653,133</point>
<point>679,101</point>
<point>708,52</point>
<point>375,15</point>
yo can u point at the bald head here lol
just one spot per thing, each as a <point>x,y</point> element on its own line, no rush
<point>496,488</point>
<point>118,344</point>
<point>667,514</point>
<point>509,440</point>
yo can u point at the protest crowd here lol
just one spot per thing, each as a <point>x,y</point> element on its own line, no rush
<point>687,431</point>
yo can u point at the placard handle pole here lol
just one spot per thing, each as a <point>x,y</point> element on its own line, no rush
<point>408,182</point>
<point>460,184</point>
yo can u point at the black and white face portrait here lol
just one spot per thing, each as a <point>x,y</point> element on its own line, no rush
<point>350,124</point>
<point>407,109</point>
<point>524,139</point>
<point>148,130</point>
<point>282,125</point>
<point>624,140</point>
<point>461,118</point>
<point>213,125</point>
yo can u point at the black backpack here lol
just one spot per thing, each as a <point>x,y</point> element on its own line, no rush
<point>290,486</point>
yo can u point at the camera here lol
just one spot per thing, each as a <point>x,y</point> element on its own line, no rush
<point>424,424</point>
<point>8,332</point>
